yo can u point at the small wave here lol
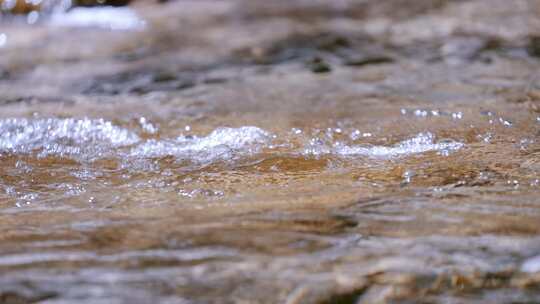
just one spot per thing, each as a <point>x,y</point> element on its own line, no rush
<point>86,138</point>
<point>113,18</point>
<point>91,139</point>
<point>221,144</point>
<point>423,142</point>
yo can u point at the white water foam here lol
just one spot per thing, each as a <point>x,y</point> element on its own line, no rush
<point>221,144</point>
<point>531,265</point>
<point>90,139</point>
<point>423,142</point>
<point>106,17</point>
<point>85,138</point>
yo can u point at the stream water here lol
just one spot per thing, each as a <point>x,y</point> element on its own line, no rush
<point>165,164</point>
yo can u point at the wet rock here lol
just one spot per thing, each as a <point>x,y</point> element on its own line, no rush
<point>468,49</point>
<point>24,292</point>
<point>4,74</point>
<point>133,55</point>
<point>140,82</point>
<point>359,61</point>
<point>318,65</point>
<point>304,47</point>
<point>101,2</point>
<point>533,47</point>
<point>310,12</point>
<point>35,100</point>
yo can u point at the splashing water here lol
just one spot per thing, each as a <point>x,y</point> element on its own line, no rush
<point>113,18</point>
<point>86,138</point>
<point>421,143</point>
<point>222,144</point>
<point>66,13</point>
<point>90,139</point>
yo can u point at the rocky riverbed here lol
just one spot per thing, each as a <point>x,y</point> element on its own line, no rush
<point>271,152</point>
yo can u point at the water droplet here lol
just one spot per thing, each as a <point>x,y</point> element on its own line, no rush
<point>421,113</point>
<point>513,183</point>
<point>147,126</point>
<point>486,113</point>
<point>457,115</point>
<point>444,152</point>
<point>504,122</point>
<point>485,137</point>
<point>525,143</point>
<point>355,134</point>
<point>407,177</point>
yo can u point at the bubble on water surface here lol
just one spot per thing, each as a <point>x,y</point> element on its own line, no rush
<point>200,193</point>
<point>425,113</point>
<point>457,115</point>
<point>82,138</point>
<point>71,189</point>
<point>26,199</point>
<point>407,177</point>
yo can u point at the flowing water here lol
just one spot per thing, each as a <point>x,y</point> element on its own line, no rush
<point>242,152</point>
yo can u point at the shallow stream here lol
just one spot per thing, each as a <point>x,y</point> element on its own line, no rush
<point>299,153</point>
